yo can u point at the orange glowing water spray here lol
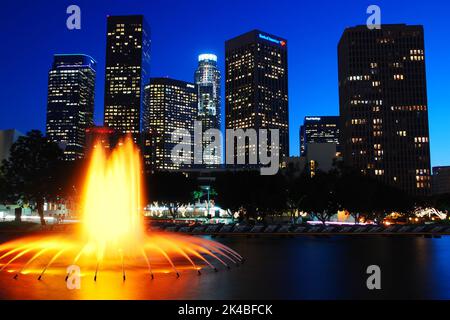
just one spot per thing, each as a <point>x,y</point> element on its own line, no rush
<point>112,232</point>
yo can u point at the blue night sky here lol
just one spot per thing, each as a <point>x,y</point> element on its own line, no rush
<point>32,31</point>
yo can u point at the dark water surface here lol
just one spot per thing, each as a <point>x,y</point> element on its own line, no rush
<point>275,268</point>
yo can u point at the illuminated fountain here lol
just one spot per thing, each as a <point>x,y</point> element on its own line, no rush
<point>112,234</point>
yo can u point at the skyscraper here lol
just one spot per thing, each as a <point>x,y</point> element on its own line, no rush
<point>127,70</point>
<point>70,102</point>
<point>383,105</point>
<point>256,86</point>
<point>207,79</point>
<point>170,105</point>
<point>319,129</point>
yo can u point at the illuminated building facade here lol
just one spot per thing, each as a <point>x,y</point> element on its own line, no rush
<point>256,86</point>
<point>207,79</point>
<point>319,129</point>
<point>127,70</point>
<point>70,102</point>
<point>170,105</point>
<point>383,105</point>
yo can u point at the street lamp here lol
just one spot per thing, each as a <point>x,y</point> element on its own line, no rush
<point>208,191</point>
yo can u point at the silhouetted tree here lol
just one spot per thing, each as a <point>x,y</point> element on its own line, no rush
<point>233,189</point>
<point>5,195</point>
<point>319,197</point>
<point>293,182</point>
<point>170,188</point>
<point>30,171</point>
<point>385,199</point>
<point>442,202</point>
<point>355,192</point>
<point>258,195</point>
<point>362,195</point>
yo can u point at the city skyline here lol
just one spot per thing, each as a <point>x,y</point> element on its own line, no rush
<point>326,104</point>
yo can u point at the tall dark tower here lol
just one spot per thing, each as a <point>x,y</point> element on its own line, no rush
<point>127,70</point>
<point>70,102</point>
<point>383,105</point>
<point>256,85</point>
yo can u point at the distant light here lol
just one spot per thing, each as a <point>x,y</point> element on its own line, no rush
<point>338,223</point>
<point>207,56</point>
<point>313,118</point>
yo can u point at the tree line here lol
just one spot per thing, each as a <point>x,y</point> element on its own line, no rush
<point>35,173</point>
<point>290,192</point>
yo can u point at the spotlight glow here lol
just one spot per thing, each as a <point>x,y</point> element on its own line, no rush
<point>112,235</point>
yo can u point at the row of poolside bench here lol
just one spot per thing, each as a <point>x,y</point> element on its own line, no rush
<point>292,229</point>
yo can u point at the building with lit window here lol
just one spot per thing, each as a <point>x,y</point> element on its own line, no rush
<point>319,129</point>
<point>70,102</point>
<point>441,180</point>
<point>256,87</point>
<point>127,70</point>
<point>383,105</point>
<point>207,79</point>
<point>170,107</point>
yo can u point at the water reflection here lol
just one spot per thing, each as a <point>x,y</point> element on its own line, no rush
<point>275,268</point>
